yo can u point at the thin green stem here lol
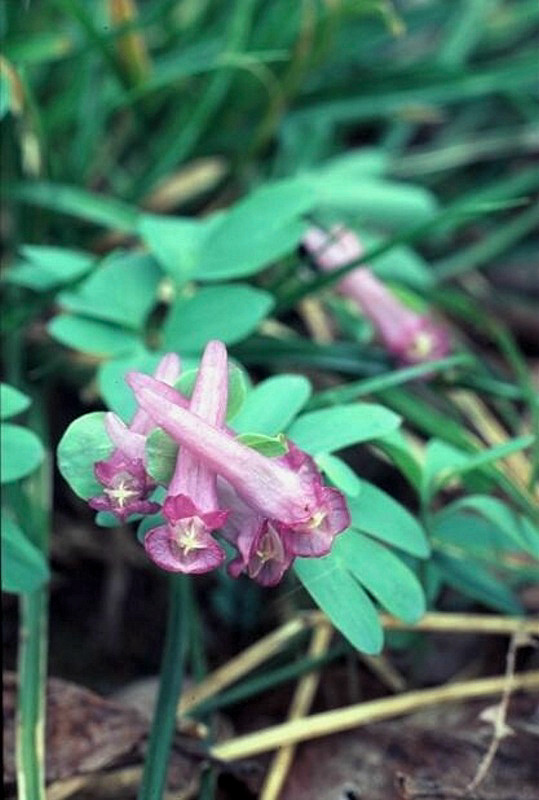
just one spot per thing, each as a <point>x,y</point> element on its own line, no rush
<point>352,391</point>
<point>164,720</point>
<point>33,501</point>
<point>32,669</point>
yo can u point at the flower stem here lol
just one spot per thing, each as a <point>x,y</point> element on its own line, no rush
<point>164,720</point>
<point>33,503</point>
<point>31,695</point>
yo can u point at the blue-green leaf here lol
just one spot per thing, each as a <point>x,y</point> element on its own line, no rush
<point>339,473</point>
<point>340,426</point>
<point>476,582</point>
<point>378,514</point>
<point>228,313</point>
<point>271,446</point>
<point>24,568</point>
<point>46,267</point>
<point>21,452</point>
<point>498,515</point>
<point>122,289</point>
<point>332,586</point>
<point>92,336</point>
<point>261,228</point>
<point>12,401</point>
<point>175,242</point>
<point>84,442</point>
<point>272,404</point>
<point>383,574</point>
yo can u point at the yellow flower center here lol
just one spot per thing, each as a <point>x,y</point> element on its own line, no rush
<point>422,345</point>
<point>188,537</point>
<point>316,520</point>
<point>121,494</point>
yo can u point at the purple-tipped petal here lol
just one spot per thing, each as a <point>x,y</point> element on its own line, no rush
<point>316,538</point>
<point>186,548</point>
<point>126,487</point>
<point>411,337</point>
<point>265,558</point>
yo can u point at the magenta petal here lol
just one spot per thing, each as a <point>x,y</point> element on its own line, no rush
<point>163,549</point>
<point>313,541</point>
<point>178,507</point>
<point>214,520</point>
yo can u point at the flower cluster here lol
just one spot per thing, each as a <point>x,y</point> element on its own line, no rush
<point>412,338</point>
<point>270,509</point>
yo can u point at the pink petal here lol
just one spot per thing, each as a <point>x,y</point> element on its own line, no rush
<point>165,552</point>
<point>131,444</point>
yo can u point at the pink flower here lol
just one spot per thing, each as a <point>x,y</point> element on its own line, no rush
<point>287,491</point>
<point>191,509</point>
<point>126,487</point>
<point>413,338</point>
<point>262,554</point>
<point>126,484</point>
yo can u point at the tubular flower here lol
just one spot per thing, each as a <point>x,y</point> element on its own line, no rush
<point>126,484</point>
<point>287,491</point>
<point>191,509</point>
<point>413,338</point>
<point>262,554</point>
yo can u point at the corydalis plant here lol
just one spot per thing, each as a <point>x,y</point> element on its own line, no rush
<point>279,507</point>
<point>412,338</point>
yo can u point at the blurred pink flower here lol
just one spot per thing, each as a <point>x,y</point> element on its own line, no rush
<point>411,337</point>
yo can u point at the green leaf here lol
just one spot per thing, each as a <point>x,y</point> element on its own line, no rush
<point>24,568</point>
<point>161,456</point>
<point>175,242</point>
<point>444,462</point>
<point>396,448</point>
<point>270,446</point>
<point>91,336</point>
<point>21,452</point>
<point>46,267</point>
<point>378,514</point>
<point>476,582</point>
<point>378,202</point>
<point>258,230</point>
<point>401,264</point>
<point>114,390</point>
<point>339,473</point>
<point>340,426</point>
<point>84,442</point>
<point>383,574</point>
<point>228,312</point>
<point>122,289</point>
<point>355,164</point>
<point>272,404</point>
<point>78,203</point>
<point>340,596</point>
<point>499,515</point>
<point>12,401</point>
